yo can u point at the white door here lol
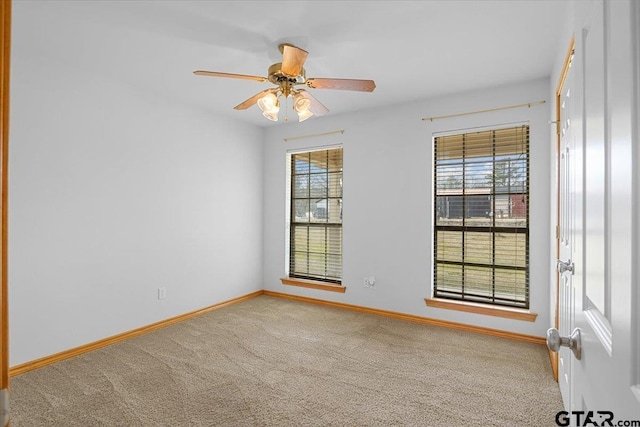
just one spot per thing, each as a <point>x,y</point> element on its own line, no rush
<point>601,221</point>
<point>567,128</point>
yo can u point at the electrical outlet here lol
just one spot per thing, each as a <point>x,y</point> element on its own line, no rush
<point>372,282</point>
<point>162,293</point>
<point>369,282</point>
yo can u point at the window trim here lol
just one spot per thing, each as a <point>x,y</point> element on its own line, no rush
<point>313,284</point>
<point>482,308</point>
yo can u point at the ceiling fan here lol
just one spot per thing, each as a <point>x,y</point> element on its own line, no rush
<point>287,75</point>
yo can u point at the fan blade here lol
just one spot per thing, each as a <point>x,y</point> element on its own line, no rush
<point>230,75</point>
<point>292,60</point>
<point>251,101</point>
<point>342,84</point>
<point>316,106</point>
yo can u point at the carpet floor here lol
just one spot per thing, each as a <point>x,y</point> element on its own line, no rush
<point>269,361</point>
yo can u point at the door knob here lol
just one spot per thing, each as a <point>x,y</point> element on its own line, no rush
<point>574,342</point>
<point>564,266</point>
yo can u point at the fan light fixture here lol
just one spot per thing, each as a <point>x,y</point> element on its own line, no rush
<point>286,75</point>
<point>270,106</point>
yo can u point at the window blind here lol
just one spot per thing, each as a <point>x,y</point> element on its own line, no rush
<point>316,215</point>
<point>481,232</point>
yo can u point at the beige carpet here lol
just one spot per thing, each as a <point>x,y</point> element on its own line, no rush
<point>273,362</point>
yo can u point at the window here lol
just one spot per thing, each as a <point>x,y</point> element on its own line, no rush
<point>481,232</point>
<point>315,224</point>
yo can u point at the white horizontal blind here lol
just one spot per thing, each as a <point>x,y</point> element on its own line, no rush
<point>316,215</point>
<point>481,241</point>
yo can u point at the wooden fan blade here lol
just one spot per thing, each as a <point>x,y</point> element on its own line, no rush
<point>316,106</point>
<point>251,101</point>
<point>292,60</point>
<point>229,75</point>
<point>342,84</point>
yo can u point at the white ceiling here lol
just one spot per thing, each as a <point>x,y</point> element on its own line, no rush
<point>412,49</point>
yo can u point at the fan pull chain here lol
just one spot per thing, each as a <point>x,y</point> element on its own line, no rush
<point>286,108</point>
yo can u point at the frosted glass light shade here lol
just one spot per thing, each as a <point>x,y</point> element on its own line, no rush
<point>272,115</point>
<point>302,105</point>
<point>304,115</point>
<point>268,102</point>
<point>270,106</point>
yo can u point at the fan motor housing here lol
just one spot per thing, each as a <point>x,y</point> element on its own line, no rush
<point>276,76</point>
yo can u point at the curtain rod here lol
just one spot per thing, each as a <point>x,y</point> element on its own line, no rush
<point>529,104</point>
<point>292,138</point>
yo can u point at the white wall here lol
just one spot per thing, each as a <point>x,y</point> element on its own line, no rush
<point>115,192</point>
<point>387,217</point>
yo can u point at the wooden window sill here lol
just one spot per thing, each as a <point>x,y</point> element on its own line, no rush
<point>469,307</point>
<point>313,284</point>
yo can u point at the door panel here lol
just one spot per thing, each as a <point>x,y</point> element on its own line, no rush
<point>596,159</point>
<point>595,291</point>
<point>566,168</point>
